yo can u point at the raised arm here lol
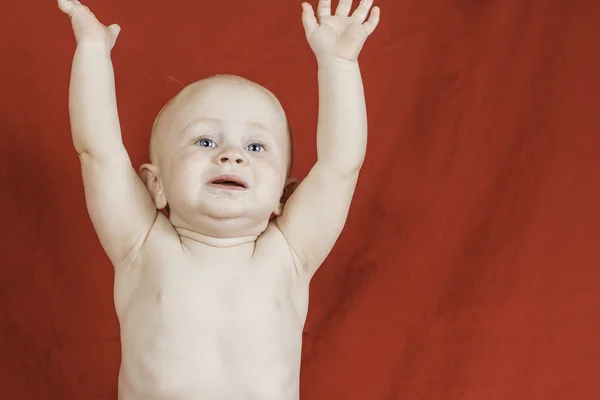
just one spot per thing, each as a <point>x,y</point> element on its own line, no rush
<point>316,212</point>
<point>119,205</point>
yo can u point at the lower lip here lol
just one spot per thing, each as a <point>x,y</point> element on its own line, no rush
<point>226,187</point>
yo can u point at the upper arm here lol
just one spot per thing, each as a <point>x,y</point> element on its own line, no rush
<point>316,213</point>
<point>119,205</point>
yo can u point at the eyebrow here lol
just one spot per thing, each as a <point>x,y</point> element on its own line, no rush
<point>257,125</point>
<point>216,121</point>
<point>199,120</point>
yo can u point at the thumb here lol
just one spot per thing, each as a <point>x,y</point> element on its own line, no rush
<point>114,33</point>
<point>115,30</point>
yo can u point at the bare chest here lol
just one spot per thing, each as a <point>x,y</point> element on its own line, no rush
<point>212,320</point>
<point>252,286</point>
<point>255,294</point>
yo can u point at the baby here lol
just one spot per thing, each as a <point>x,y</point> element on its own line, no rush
<point>212,294</point>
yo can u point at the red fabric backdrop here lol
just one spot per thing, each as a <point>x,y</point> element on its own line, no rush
<point>470,260</point>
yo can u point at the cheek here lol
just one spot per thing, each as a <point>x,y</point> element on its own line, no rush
<point>270,174</point>
<point>193,165</point>
<point>269,169</point>
<point>186,170</point>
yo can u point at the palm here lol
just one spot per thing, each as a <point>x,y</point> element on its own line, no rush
<point>340,35</point>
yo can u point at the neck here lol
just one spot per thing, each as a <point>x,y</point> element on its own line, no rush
<point>214,241</point>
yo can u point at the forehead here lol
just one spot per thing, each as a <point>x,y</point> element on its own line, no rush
<point>229,102</point>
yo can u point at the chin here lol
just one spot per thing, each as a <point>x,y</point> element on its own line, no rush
<point>230,223</point>
<point>224,214</point>
<point>223,209</point>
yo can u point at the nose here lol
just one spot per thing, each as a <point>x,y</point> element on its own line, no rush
<point>231,156</point>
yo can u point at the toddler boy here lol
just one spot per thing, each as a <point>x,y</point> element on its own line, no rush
<point>212,299</point>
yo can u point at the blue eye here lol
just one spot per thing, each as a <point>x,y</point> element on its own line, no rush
<point>206,143</point>
<point>255,147</point>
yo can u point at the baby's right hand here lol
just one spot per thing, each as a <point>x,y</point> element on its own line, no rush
<point>85,24</point>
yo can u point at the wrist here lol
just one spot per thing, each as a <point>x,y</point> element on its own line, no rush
<point>93,43</point>
<point>337,63</point>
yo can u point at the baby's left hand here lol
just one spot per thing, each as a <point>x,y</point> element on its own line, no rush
<point>342,35</point>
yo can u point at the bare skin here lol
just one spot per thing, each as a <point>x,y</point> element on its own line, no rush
<point>213,298</point>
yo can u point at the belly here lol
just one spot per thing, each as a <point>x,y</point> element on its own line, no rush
<point>201,342</point>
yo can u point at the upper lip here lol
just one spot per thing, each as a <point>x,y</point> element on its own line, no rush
<point>230,178</point>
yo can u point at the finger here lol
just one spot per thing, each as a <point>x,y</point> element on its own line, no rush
<point>343,8</point>
<point>309,21</point>
<point>65,6</point>
<point>77,2</point>
<point>373,21</point>
<point>324,8</point>
<point>361,12</point>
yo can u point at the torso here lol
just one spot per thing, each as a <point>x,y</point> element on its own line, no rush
<point>210,324</point>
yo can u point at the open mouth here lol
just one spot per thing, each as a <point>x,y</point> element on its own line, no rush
<point>229,182</point>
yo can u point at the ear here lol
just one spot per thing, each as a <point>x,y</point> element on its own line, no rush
<point>149,175</point>
<point>290,186</point>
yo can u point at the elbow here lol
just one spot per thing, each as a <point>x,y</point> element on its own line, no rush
<point>343,164</point>
<point>340,170</point>
<point>81,146</point>
<point>84,153</point>
<point>101,154</point>
<point>346,160</point>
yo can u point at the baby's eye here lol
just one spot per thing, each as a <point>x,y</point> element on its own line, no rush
<point>206,143</point>
<point>255,147</point>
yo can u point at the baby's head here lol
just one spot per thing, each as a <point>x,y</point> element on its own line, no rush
<point>221,157</point>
